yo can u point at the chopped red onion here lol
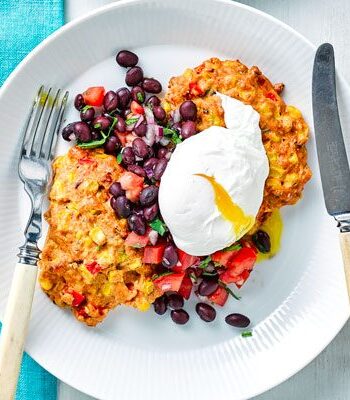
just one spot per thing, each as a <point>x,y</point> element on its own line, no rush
<point>176,116</point>
<point>153,237</point>
<point>149,115</point>
<point>159,133</point>
<point>139,122</point>
<point>150,134</point>
<point>164,141</point>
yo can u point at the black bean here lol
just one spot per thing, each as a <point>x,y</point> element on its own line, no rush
<point>140,148</point>
<point>153,101</point>
<point>149,195</point>
<point>151,85</point>
<point>124,97</point>
<point>136,169</point>
<point>128,156</point>
<point>120,126</point>
<point>79,102</point>
<point>134,76</point>
<point>141,129</point>
<point>116,189</point>
<point>87,114</point>
<point>121,206</point>
<point>188,128</point>
<point>125,113</point>
<point>101,122</point>
<point>137,224</point>
<point>170,257</point>
<point>162,152</point>
<point>126,58</point>
<point>262,241</point>
<point>149,166</point>
<point>82,131</point>
<point>207,287</point>
<point>160,168</point>
<point>68,132</point>
<point>151,212</point>
<point>95,135</point>
<point>188,110</point>
<point>138,94</point>
<point>138,211</point>
<point>180,317</point>
<point>175,301</point>
<point>160,305</point>
<point>237,320</point>
<point>110,101</point>
<point>112,145</point>
<point>159,113</point>
<point>206,312</point>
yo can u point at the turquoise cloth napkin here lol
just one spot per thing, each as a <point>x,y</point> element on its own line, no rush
<point>24,24</point>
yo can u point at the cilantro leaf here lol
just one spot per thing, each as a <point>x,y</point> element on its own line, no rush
<point>119,158</point>
<point>131,121</point>
<point>140,97</point>
<point>173,135</point>
<point>100,142</point>
<point>247,334</point>
<point>158,226</point>
<point>156,276</point>
<point>204,263</point>
<point>234,246</point>
<point>228,290</point>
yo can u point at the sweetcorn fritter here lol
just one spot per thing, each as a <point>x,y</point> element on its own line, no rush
<point>284,131</point>
<point>85,264</point>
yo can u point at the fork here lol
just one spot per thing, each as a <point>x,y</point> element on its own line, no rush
<point>34,169</point>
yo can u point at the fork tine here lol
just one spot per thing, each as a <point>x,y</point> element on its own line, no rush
<point>27,131</point>
<point>45,128</point>
<point>50,146</point>
<point>37,131</point>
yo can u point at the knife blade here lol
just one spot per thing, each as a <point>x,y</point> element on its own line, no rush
<point>332,157</point>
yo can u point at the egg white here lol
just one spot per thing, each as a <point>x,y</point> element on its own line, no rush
<point>236,158</point>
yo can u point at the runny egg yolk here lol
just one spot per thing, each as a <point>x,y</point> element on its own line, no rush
<point>231,211</point>
<point>273,226</point>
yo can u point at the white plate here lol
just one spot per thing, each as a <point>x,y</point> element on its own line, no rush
<point>297,301</point>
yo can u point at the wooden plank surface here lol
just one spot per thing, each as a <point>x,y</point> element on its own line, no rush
<point>327,377</point>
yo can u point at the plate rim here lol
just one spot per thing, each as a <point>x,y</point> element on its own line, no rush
<point>121,3</point>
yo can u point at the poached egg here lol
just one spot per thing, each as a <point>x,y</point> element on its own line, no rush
<point>213,186</point>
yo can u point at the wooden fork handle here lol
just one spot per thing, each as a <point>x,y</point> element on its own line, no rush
<point>14,328</point>
<point>345,248</point>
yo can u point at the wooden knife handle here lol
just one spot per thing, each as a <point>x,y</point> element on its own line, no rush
<point>345,249</point>
<point>14,328</point>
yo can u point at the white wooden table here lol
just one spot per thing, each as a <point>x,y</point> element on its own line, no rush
<point>328,376</point>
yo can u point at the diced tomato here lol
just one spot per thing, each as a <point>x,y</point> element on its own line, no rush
<point>121,136</point>
<point>223,257</point>
<point>186,287</point>
<point>261,80</point>
<point>243,278</point>
<point>93,96</point>
<point>229,276</point>
<point>195,90</point>
<point>219,297</point>
<point>153,254</point>
<point>82,313</point>
<point>243,260</point>
<point>93,267</point>
<point>86,160</point>
<point>271,96</point>
<point>136,108</point>
<point>132,184</point>
<point>185,261</point>
<point>135,240</point>
<point>169,282</point>
<point>78,298</point>
<point>248,243</point>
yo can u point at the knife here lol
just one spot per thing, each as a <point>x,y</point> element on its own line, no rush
<point>332,158</point>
